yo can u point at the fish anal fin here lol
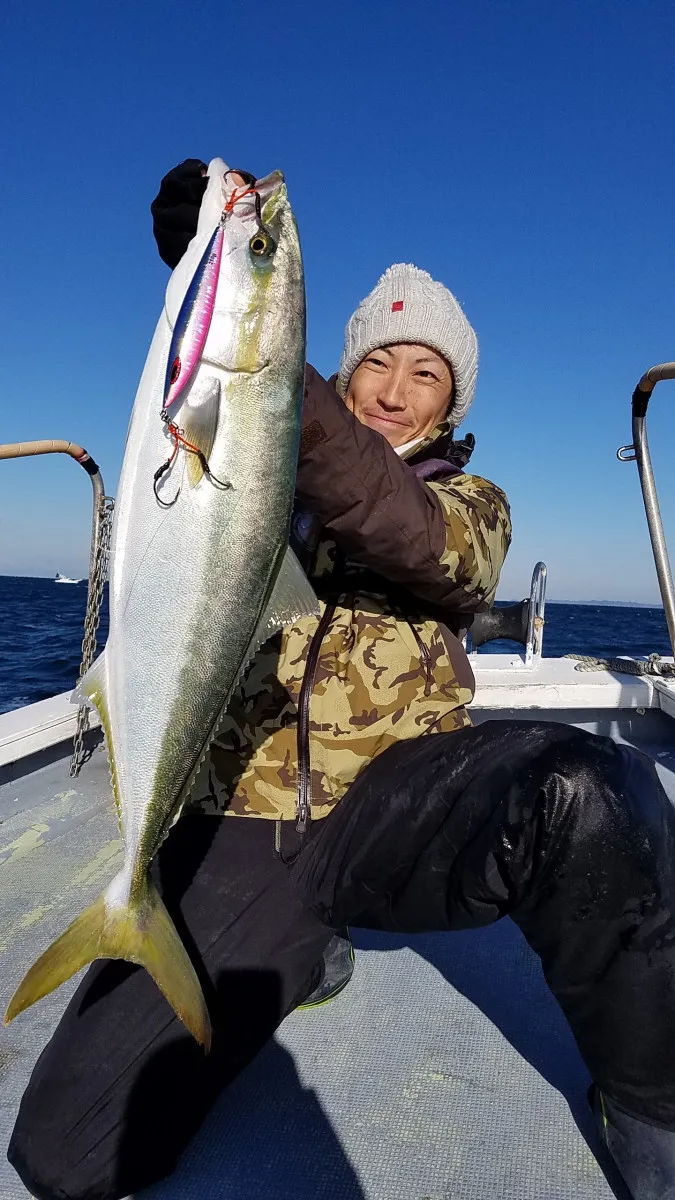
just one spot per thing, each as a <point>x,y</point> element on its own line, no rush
<point>138,931</point>
<point>92,690</point>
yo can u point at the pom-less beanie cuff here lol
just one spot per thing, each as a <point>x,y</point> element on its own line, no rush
<point>407,305</point>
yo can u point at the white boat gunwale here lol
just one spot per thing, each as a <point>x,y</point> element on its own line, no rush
<point>502,682</point>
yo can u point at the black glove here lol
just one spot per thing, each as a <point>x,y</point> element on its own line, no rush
<point>175,209</point>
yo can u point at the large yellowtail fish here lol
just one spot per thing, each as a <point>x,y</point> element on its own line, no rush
<point>201,571</point>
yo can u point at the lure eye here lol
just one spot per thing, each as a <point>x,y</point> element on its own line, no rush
<point>262,245</point>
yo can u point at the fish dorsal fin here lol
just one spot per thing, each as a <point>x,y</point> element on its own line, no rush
<point>292,598</point>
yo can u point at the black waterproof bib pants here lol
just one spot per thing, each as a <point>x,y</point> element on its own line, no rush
<point>570,834</point>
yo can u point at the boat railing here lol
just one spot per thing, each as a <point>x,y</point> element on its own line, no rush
<point>638,452</point>
<point>102,511</point>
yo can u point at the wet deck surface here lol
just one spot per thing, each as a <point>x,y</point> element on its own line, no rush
<point>445,1071</point>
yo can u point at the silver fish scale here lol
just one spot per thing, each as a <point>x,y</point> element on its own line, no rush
<point>189,583</point>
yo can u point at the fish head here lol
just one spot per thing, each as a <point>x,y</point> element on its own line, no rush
<point>258,319</point>
<point>259,316</point>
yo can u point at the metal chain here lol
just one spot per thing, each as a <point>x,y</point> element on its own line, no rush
<point>97,578</point>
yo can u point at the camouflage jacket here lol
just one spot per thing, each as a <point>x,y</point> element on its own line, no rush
<point>401,553</point>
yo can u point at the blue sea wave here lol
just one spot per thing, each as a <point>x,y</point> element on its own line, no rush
<point>41,629</point>
<point>41,626</point>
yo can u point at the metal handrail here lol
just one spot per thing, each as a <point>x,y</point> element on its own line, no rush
<point>535,622</point>
<point>98,559</point>
<point>60,446</point>
<point>522,622</point>
<point>638,452</point>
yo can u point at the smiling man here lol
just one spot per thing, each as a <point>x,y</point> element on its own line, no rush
<point>349,786</point>
<point>402,391</point>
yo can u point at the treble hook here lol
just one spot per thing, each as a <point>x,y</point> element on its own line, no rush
<point>179,440</point>
<point>155,481</point>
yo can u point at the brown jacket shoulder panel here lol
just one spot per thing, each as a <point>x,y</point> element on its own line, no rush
<point>364,495</point>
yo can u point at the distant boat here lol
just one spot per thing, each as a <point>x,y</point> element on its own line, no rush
<point>64,579</point>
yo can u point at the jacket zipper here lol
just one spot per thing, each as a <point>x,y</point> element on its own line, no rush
<point>304,799</point>
<point>425,656</point>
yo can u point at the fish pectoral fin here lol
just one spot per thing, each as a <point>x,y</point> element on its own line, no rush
<point>199,421</point>
<point>140,932</point>
<point>292,597</point>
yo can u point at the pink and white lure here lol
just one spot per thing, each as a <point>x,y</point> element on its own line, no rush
<point>194,319</point>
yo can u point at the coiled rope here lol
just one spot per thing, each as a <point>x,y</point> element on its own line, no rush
<point>624,666</point>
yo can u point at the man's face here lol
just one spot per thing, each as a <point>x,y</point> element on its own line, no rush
<point>403,391</point>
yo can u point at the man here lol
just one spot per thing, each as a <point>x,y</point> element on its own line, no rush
<point>349,787</point>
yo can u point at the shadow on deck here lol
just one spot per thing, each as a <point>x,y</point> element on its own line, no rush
<point>445,1071</point>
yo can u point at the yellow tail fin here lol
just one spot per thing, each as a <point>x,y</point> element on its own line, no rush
<point>140,932</point>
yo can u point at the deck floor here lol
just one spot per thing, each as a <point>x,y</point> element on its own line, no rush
<point>445,1071</point>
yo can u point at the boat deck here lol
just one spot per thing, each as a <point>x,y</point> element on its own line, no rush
<point>445,1071</point>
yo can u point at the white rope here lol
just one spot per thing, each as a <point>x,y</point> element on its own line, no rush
<point>624,666</point>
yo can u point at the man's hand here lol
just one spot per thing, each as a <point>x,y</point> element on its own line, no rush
<point>175,210</point>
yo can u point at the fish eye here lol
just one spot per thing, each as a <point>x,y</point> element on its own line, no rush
<point>262,245</point>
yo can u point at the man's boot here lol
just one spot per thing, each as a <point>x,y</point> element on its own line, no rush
<point>644,1154</point>
<point>337,969</point>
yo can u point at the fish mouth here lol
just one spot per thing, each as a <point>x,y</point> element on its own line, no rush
<point>265,188</point>
<point>268,184</point>
<point>255,197</point>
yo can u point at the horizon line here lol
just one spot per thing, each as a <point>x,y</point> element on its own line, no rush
<point>500,600</point>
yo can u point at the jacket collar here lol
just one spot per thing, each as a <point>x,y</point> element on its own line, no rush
<point>438,455</point>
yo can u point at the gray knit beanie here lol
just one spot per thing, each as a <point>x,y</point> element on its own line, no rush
<point>407,305</point>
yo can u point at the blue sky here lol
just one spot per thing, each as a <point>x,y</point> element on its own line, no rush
<point>521,152</point>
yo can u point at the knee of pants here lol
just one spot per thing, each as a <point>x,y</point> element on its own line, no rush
<point>616,776</point>
<point>607,798</point>
<point>37,1174</point>
<point>42,1165</point>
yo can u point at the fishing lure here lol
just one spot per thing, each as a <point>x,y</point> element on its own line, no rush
<point>196,312</point>
<point>190,334</point>
<point>194,320</point>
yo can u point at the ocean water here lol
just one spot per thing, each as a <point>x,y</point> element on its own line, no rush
<point>41,626</point>
<point>41,629</point>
